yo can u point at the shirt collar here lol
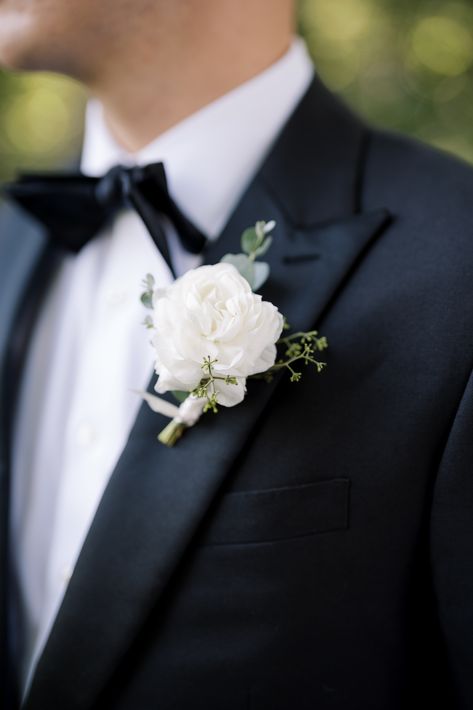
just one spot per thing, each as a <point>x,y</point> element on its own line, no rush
<point>211,156</point>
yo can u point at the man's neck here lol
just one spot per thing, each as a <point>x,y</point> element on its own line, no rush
<point>159,85</point>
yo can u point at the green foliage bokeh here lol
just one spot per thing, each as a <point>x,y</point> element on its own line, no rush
<point>402,64</point>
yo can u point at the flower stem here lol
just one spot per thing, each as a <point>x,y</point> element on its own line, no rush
<point>171,433</point>
<point>287,363</point>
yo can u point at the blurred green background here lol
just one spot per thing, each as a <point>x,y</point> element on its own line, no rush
<point>404,64</point>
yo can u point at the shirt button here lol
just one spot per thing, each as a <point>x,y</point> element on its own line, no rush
<point>116,298</point>
<point>85,435</point>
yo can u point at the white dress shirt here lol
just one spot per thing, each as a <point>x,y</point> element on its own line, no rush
<point>89,350</point>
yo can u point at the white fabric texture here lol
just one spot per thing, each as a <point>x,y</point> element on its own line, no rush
<point>89,350</point>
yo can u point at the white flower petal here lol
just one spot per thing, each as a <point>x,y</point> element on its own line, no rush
<point>212,312</point>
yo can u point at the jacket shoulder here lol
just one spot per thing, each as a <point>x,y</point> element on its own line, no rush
<point>428,247</point>
<point>418,180</point>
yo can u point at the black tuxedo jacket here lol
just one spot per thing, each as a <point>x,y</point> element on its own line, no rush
<point>313,546</point>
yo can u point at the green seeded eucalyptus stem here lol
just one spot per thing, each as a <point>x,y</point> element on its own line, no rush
<point>206,387</point>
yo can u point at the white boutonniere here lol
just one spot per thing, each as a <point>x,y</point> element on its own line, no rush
<point>211,332</point>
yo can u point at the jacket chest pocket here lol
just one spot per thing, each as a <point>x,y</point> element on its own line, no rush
<point>245,517</point>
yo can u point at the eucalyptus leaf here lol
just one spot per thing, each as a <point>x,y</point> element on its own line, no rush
<point>244,266</point>
<point>249,240</point>
<point>261,273</point>
<point>147,299</point>
<point>259,229</point>
<point>269,226</point>
<point>264,247</point>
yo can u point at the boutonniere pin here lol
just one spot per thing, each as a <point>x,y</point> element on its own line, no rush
<point>211,332</point>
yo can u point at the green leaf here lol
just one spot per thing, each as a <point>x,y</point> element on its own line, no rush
<point>260,251</point>
<point>180,396</point>
<point>244,266</point>
<point>249,240</point>
<point>259,229</point>
<point>255,272</point>
<point>261,273</point>
<point>147,299</point>
<point>149,281</point>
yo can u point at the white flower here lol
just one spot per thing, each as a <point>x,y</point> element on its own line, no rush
<point>212,312</point>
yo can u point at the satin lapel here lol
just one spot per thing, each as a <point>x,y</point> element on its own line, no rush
<point>24,264</point>
<point>157,497</point>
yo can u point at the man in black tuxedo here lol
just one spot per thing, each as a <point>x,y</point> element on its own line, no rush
<point>311,547</point>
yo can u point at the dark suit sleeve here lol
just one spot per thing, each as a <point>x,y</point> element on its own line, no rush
<point>452,550</point>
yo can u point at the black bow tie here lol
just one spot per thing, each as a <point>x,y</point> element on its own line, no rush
<point>75,207</point>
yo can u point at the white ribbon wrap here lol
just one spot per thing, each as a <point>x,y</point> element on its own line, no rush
<point>188,413</point>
